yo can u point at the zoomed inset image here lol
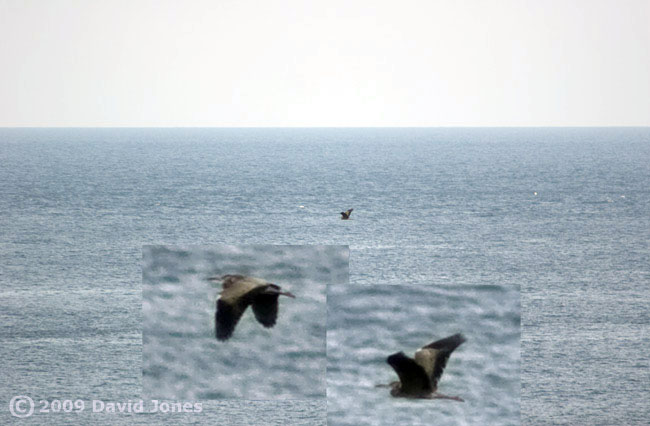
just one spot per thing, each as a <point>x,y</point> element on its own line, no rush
<point>245,322</point>
<point>423,354</point>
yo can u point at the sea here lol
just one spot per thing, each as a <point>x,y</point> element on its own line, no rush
<point>532,242</point>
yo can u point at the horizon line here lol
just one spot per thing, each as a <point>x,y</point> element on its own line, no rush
<point>329,127</point>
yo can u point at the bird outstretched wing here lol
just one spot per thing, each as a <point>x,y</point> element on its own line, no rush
<point>227,317</point>
<point>434,356</point>
<point>265,308</point>
<point>412,376</point>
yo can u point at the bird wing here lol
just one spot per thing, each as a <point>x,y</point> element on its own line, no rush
<point>232,303</point>
<point>426,358</point>
<point>349,212</point>
<point>412,376</point>
<point>265,308</point>
<point>227,316</point>
<point>434,356</point>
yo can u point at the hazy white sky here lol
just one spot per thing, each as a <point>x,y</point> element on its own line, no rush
<point>324,63</point>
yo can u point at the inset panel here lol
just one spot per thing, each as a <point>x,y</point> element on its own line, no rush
<point>270,346</point>
<point>367,324</point>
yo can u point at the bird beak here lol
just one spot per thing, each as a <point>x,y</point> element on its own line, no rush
<point>286,293</point>
<point>214,279</point>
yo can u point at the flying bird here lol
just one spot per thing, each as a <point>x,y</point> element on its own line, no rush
<point>418,378</point>
<point>238,293</point>
<point>346,214</point>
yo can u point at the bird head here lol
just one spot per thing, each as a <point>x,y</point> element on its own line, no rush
<point>275,289</point>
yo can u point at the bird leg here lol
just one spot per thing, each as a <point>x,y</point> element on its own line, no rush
<point>441,396</point>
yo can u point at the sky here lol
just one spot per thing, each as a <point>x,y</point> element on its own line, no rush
<point>324,63</point>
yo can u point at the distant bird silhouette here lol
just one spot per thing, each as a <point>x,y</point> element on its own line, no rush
<point>346,215</point>
<point>418,378</point>
<point>240,291</point>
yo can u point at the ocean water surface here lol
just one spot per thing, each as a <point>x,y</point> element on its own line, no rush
<point>562,214</point>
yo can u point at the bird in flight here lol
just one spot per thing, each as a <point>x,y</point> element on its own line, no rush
<point>238,293</point>
<point>418,378</point>
<point>346,214</point>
